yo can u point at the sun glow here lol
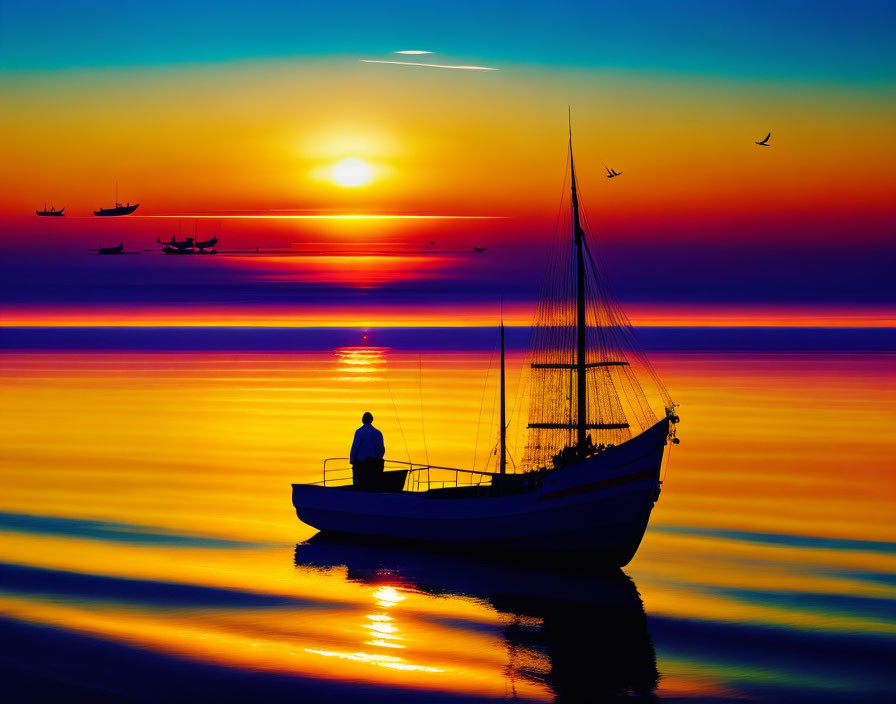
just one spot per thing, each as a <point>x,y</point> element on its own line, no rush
<point>350,173</point>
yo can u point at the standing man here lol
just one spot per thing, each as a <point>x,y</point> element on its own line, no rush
<point>367,455</point>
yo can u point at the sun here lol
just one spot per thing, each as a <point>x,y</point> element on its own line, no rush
<point>350,173</point>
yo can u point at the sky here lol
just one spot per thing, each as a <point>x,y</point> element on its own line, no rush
<point>220,110</point>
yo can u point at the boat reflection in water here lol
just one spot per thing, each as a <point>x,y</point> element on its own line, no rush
<point>581,636</point>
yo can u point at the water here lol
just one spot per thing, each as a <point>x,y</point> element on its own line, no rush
<point>149,549</point>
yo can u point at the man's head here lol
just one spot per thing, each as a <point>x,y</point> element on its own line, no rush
<point>367,418</point>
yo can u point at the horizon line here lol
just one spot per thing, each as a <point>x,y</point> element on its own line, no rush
<point>339,216</point>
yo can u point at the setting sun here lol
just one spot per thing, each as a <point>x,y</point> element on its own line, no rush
<point>352,172</point>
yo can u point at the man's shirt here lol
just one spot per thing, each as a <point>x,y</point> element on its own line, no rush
<point>368,443</point>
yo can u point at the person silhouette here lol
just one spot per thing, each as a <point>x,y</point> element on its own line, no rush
<point>366,455</point>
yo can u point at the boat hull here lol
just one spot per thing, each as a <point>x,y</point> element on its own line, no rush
<point>111,212</point>
<point>599,507</point>
<point>51,213</point>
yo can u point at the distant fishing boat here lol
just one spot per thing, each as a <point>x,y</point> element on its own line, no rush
<point>117,249</point>
<point>590,474</point>
<point>119,209</point>
<point>52,212</point>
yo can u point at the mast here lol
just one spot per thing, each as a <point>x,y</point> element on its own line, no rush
<point>563,421</point>
<point>579,236</point>
<point>503,409</point>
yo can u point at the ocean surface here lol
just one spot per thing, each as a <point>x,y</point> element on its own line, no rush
<point>149,550</point>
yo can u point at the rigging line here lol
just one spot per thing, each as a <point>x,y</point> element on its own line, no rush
<point>482,403</point>
<point>622,325</point>
<point>493,453</point>
<point>549,337</point>
<point>512,461</point>
<point>668,462</point>
<point>395,409</point>
<point>560,207</point>
<point>491,422</point>
<point>517,406</point>
<point>422,425</point>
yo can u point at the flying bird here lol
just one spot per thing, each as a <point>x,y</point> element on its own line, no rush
<point>479,249</point>
<point>764,142</point>
<point>612,173</point>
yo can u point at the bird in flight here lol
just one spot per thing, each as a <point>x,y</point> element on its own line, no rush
<point>764,142</point>
<point>612,173</point>
<point>479,249</point>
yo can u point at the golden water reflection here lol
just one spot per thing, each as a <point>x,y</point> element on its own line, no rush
<point>360,364</point>
<point>164,471</point>
<point>553,634</point>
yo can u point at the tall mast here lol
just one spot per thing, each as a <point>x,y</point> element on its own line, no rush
<point>503,409</point>
<point>579,236</point>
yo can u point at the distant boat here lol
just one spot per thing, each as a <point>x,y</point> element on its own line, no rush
<point>119,209</point>
<point>173,246</point>
<point>51,213</point>
<point>208,246</point>
<point>118,249</point>
<point>591,470</point>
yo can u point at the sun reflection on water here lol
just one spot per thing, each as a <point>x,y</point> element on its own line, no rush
<point>383,630</point>
<point>357,364</point>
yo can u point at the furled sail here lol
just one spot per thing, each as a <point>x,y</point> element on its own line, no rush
<point>590,382</point>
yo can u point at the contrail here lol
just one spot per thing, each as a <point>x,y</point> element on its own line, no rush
<point>414,63</point>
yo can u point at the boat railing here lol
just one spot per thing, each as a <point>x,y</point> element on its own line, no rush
<point>420,477</point>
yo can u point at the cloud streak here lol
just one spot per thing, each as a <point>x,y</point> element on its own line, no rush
<point>414,63</point>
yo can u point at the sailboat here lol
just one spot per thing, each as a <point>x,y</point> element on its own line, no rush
<point>591,470</point>
<point>119,209</point>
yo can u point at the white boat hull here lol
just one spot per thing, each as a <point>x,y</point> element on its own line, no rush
<point>600,506</point>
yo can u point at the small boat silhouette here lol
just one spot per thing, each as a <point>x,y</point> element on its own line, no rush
<point>118,249</point>
<point>52,212</point>
<point>207,246</point>
<point>119,209</point>
<point>173,246</point>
